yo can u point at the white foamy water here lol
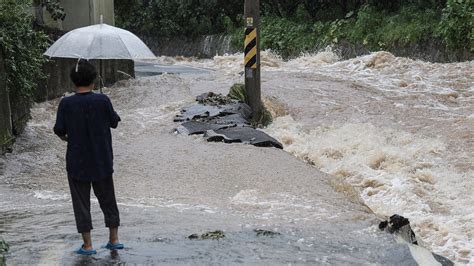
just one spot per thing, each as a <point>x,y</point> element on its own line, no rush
<point>422,166</point>
<point>398,130</point>
<point>50,195</point>
<point>396,173</point>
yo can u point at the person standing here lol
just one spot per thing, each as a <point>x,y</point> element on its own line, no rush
<point>84,120</point>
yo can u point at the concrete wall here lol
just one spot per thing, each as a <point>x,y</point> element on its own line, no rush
<point>6,133</point>
<point>81,13</point>
<point>204,46</point>
<point>104,8</point>
<point>59,69</point>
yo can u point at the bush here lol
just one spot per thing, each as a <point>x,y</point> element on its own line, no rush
<point>23,49</point>
<point>238,92</point>
<point>457,24</point>
<point>169,18</point>
<point>371,27</point>
<point>378,29</point>
<point>287,37</point>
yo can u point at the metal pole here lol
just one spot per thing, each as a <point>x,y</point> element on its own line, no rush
<point>252,57</point>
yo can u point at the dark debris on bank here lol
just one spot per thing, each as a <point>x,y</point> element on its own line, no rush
<point>221,119</point>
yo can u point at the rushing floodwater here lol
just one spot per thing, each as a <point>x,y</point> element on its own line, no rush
<point>398,130</point>
<point>397,133</point>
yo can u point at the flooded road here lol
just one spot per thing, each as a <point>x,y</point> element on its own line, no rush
<point>400,131</point>
<point>394,152</point>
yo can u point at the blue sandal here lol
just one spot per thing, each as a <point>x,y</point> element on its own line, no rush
<point>114,246</point>
<point>86,252</point>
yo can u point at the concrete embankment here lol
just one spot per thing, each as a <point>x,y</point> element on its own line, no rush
<point>212,45</point>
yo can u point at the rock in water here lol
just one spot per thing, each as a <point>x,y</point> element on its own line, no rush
<point>193,236</point>
<point>214,99</point>
<point>216,235</point>
<point>3,246</point>
<point>261,232</point>
<point>401,225</point>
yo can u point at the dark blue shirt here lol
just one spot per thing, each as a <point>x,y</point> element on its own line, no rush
<point>85,119</point>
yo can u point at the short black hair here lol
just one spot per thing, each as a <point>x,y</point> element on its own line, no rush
<point>83,74</point>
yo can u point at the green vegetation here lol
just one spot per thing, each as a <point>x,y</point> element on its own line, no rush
<point>53,7</point>
<point>376,29</point>
<point>372,28</point>
<point>215,235</point>
<point>457,24</point>
<point>265,118</point>
<point>168,18</point>
<point>3,249</point>
<point>238,92</point>
<point>263,232</point>
<point>23,49</point>
<point>294,26</point>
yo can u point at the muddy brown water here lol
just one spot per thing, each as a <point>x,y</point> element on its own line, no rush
<point>171,186</point>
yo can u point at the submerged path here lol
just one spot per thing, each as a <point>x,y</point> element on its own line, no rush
<point>330,118</point>
<point>172,186</point>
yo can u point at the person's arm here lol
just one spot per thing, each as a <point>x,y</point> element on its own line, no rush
<point>114,118</point>
<point>60,128</point>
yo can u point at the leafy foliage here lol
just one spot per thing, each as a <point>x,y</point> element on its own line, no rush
<point>238,92</point>
<point>55,9</point>
<point>287,37</point>
<point>457,24</point>
<point>294,26</point>
<point>168,18</point>
<point>22,47</point>
<point>373,28</point>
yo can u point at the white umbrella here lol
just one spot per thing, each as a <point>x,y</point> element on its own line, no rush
<point>100,41</point>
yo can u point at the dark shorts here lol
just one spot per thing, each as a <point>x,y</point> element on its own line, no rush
<point>105,193</point>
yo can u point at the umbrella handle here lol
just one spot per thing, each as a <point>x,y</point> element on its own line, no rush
<point>77,64</point>
<point>101,83</point>
<point>101,80</point>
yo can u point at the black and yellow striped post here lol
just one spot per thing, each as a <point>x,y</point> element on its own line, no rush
<point>252,57</point>
<point>251,48</point>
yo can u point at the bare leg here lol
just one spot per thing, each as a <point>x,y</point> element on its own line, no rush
<point>87,240</point>
<point>113,237</point>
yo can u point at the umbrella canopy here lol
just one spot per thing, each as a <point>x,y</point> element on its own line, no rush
<point>100,41</point>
